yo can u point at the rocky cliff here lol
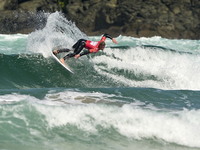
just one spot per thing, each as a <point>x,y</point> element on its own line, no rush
<point>138,18</point>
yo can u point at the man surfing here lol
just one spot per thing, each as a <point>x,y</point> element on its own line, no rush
<point>90,46</point>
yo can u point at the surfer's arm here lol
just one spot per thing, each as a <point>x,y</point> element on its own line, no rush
<point>114,41</point>
<point>85,52</point>
<point>108,36</point>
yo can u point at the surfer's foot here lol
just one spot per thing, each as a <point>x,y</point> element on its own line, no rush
<point>55,52</point>
<point>62,61</point>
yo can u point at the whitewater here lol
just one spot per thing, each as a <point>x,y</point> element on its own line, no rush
<point>142,93</point>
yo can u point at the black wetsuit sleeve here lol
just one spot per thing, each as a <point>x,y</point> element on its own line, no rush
<point>108,36</point>
<point>85,52</point>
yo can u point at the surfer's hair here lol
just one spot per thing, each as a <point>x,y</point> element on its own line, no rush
<point>101,44</point>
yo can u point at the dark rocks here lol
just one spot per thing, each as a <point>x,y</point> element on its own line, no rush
<point>138,18</point>
<point>24,16</point>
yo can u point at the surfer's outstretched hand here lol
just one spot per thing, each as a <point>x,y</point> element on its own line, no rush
<point>114,41</point>
<point>76,56</point>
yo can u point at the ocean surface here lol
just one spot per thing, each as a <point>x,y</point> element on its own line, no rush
<point>141,94</point>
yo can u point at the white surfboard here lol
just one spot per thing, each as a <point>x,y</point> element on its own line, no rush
<point>65,66</point>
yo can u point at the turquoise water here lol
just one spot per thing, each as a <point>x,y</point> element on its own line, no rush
<point>140,94</point>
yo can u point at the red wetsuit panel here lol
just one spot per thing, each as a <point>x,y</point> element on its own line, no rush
<point>93,47</point>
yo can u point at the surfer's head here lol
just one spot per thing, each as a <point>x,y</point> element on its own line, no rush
<point>102,45</point>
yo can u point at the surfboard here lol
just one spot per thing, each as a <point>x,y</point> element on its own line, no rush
<point>65,66</point>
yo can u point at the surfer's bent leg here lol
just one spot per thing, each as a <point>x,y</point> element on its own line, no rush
<point>78,46</point>
<point>63,50</point>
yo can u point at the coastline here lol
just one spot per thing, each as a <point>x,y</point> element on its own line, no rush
<point>163,18</point>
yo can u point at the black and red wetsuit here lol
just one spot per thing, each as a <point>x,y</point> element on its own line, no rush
<point>91,46</point>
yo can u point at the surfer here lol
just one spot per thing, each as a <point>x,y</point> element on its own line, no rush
<point>90,46</point>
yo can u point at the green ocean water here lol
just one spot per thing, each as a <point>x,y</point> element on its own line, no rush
<point>141,94</point>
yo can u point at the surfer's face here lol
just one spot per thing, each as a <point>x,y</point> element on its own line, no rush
<point>102,47</point>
